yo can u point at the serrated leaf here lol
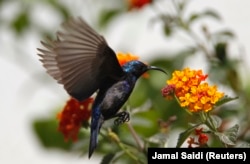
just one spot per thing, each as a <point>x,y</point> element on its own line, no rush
<point>224,138</point>
<point>229,136</point>
<point>107,158</point>
<point>232,132</point>
<point>216,121</point>
<point>160,139</point>
<point>244,145</point>
<point>184,135</point>
<point>225,99</point>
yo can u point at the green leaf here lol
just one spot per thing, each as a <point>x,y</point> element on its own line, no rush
<point>193,17</point>
<point>21,22</point>
<point>184,135</point>
<point>216,121</point>
<point>229,136</point>
<point>211,13</point>
<point>160,139</point>
<point>49,136</point>
<point>170,24</point>
<point>221,51</point>
<point>168,30</point>
<point>107,15</point>
<point>225,99</point>
<point>207,13</point>
<point>183,4</point>
<point>244,145</point>
<point>107,158</point>
<point>223,34</point>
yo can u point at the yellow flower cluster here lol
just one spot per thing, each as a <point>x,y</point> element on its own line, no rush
<point>191,92</point>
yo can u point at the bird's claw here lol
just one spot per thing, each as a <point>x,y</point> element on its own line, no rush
<point>122,118</point>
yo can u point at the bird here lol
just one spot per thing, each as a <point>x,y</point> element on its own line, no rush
<point>82,61</point>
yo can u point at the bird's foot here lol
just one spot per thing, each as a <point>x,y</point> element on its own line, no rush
<point>122,118</point>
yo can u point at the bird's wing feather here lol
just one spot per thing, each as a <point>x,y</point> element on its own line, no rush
<point>80,59</point>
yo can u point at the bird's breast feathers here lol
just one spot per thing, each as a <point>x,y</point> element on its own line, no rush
<point>116,95</point>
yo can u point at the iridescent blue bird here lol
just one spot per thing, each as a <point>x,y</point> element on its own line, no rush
<point>81,60</point>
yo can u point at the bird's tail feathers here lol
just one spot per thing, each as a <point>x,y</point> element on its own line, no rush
<point>95,128</point>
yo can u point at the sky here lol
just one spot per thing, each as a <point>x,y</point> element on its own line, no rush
<point>25,98</point>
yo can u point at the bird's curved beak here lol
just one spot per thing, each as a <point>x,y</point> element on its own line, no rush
<point>156,68</point>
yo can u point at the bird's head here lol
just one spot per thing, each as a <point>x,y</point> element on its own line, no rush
<point>137,68</point>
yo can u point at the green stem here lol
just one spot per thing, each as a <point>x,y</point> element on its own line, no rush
<point>191,33</point>
<point>212,123</point>
<point>135,136</point>
<point>130,154</point>
<point>123,146</point>
<point>207,120</point>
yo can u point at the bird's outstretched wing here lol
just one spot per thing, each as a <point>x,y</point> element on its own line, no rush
<point>80,59</point>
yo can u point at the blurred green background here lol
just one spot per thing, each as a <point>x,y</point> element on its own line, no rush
<point>212,36</point>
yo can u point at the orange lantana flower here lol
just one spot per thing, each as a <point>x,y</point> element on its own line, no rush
<point>191,90</point>
<point>73,116</point>
<point>138,3</point>
<point>124,58</point>
<point>200,139</point>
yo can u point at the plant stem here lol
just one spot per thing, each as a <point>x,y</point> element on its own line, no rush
<point>135,136</point>
<point>122,146</point>
<point>131,155</point>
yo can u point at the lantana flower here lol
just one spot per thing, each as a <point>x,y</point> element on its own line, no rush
<point>138,3</point>
<point>73,116</point>
<point>123,58</point>
<point>191,90</point>
<point>201,137</point>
